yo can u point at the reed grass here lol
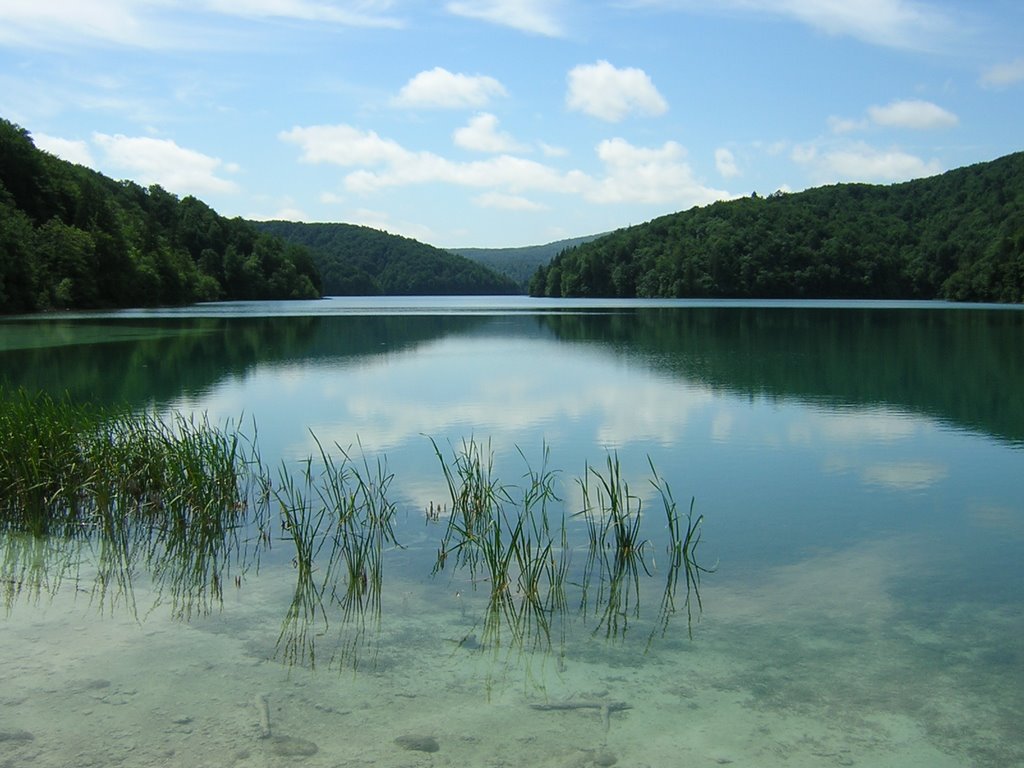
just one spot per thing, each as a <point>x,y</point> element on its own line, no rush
<point>618,553</point>
<point>365,530</point>
<point>682,557</point>
<point>615,550</point>
<point>507,537</point>
<point>32,567</point>
<point>340,503</point>
<point>170,494</point>
<point>617,603</point>
<point>612,514</point>
<point>191,503</point>
<point>44,463</point>
<point>476,498</point>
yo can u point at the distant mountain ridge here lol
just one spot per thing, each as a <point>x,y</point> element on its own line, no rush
<point>519,264</point>
<point>357,260</point>
<point>957,236</point>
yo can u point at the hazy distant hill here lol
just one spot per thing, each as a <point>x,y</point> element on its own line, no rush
<point>959,236</point>
<point>355,260</point>
<point>519,264</point>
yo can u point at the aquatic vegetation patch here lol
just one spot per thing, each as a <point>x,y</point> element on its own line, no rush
<point>506,537</point>
<point>192,505</point>
<point>338,502</point>
<point>510,538</point>
<point>67,467</point>
<point>171,494</point>
<point>681,550</point>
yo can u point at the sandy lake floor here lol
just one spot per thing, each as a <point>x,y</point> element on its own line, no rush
<point>814,664</point>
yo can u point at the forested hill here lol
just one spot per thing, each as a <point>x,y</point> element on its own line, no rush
<point>957,236</point>
<point>73,238</point>
<point>520,264</point>
<point>356,261</point>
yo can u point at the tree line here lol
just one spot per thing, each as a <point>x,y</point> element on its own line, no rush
<point>72,238</point>
<point>956,236</point>
<point>356,260</point>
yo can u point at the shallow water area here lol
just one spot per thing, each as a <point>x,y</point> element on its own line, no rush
<point>861,601</point>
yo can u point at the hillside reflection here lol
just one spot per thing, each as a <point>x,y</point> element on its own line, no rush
<point>138,362</point>
<point>961,366</point>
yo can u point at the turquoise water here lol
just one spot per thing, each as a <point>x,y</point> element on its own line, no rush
<point>859,467</point>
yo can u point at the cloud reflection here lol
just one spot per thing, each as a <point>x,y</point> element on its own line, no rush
<point>523,391</point>
<point>583,392</point>
<point>874,424</point>
<point>859,439</point>
<point>999,518</point>
<point>905,476</point>
<point>845,587</point>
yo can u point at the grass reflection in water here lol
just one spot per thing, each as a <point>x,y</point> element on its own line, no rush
<point>109,495</point>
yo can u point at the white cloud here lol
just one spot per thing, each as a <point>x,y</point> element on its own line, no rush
<point>533,16</point>
<point>726,163</point>
<point>646,175</point>
<point>45,23</point>
<point>382,220</point>
<point>482,135</point>
<point>1003,75</point>
<point>356,14</point>
<point>892,23</point>
<point>891,165</point>
<point>905,24</point>
<point>861,162</point>
<point>505,202</point>
<point>504,171</point>
<point>286,213</point>
<point>66,149</point>
<point>631,174</point>
<point>553,151</point>
<point>448,90</point>
<point>609,93</point>
<point>841,125</point>
<point>146,24</point>
<point>913,113</point>
<point>162,161</point>
<point>803,153</point>
<point>344,145</point>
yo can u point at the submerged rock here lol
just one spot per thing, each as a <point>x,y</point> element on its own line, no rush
<point>94,685</point>
<point>290,746</point>
<point>418,743</point>
<point>16,736</point>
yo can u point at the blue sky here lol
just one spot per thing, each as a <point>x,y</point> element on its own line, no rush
<point>498,123</point>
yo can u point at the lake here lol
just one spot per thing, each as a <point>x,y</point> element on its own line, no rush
<point>856,596</point>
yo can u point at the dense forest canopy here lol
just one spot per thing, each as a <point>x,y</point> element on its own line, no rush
<point>73,238</point>
<point>957,236</point>
<point>355,260</point>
